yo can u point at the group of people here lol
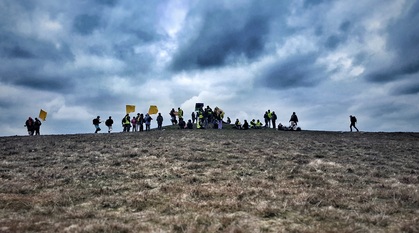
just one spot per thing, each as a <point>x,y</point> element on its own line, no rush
<point>33,126</point>
<point>270,117</point>
<point>136,123</point>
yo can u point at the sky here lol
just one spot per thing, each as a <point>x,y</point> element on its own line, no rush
<point>324,60</point>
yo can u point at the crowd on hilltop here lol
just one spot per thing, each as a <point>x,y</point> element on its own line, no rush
<point>202,118</point>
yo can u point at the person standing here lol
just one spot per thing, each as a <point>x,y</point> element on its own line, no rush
<point>180,114</point>
<point>126,123</point>
<point>96,123</point>
<point>134,124</point>
<point>141,122</point>
<point>353,122</point>
<point>37,126</point>
<point>109,123</point>
<point>147,120</point>
<point>29,125</point>
<point>159,121</point>
<point>274,117</point>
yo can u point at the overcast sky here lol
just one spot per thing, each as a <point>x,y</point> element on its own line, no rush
<point>324,60</point>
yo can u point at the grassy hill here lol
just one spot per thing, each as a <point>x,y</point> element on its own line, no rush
<point>210,181</point>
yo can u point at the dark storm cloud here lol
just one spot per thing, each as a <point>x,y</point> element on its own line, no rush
<point>107,2</point>
<point>15,46</point>
<point>223,38</point>
<point>406,89</point>
<point>85,24</point>
<point>403,40</point>
<point>296,71</point>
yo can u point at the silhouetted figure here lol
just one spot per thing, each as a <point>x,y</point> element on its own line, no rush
<point>353,122</point>
<point>29,124</point>
<point>37,126</point>
<point>159,121</point>
<point>109,123</point>
<point>293,120</point>
<point>96,123</point>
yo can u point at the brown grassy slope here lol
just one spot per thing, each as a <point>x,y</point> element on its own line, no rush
<point>210,181</point>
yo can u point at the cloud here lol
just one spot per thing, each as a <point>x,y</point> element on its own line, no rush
<point>85,24</point>
<point>298,71</point>
<point>223,36</point>
<point>402,38</point>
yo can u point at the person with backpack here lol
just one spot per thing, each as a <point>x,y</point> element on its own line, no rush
<point>37,126</point>
<point>96,123</point>
<point>274,117</point>
<point>109,123</point>
<point>29,124</point>
<point>353,122</point>
<point>126,123</point>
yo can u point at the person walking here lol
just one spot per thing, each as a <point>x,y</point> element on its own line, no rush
<point>37,126</point>
<point>353,122</point>
<point>29,125</point>
<point>96,123</point>
<point>109,123</point>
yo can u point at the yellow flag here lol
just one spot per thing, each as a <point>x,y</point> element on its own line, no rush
<point>42,115</point>
<point>153,109</point>
<point>130,108</point>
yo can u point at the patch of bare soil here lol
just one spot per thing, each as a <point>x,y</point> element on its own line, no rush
<point>210,181</point>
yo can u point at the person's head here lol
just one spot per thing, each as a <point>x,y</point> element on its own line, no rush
<point>98,117</point>
<point>293,113</point>
<point>159,114</point>
<point>110,117</point>
<point>36,118</point>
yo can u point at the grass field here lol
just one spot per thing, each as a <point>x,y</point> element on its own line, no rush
<point>210,181</point>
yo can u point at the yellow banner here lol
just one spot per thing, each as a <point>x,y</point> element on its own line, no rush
<point>42,115</point>
<point>130,108</point>
<point>153,109</point>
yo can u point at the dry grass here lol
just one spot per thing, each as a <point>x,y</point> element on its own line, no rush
<point>211,181</point>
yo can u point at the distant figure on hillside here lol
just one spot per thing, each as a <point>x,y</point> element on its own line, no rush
<point>126,123</point>
<point>237,124</point>
<point>353,122</point>
<point>274,117</point>
<point>109,123</point>
<point>245,125</point>
<point>189,125</point>
<point>159,121</point>
<point>147,120</point>
<point>29,125</point>
<point>173,116</point>
<point>293,120</point>
<point>96,123</point>
<point>134,124</point>
<point>141,122</point>
<point>37,126</point>
<point>180,114</point>
<point>182,124</point>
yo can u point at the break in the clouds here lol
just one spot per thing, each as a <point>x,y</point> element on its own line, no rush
<point>325,60</point>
